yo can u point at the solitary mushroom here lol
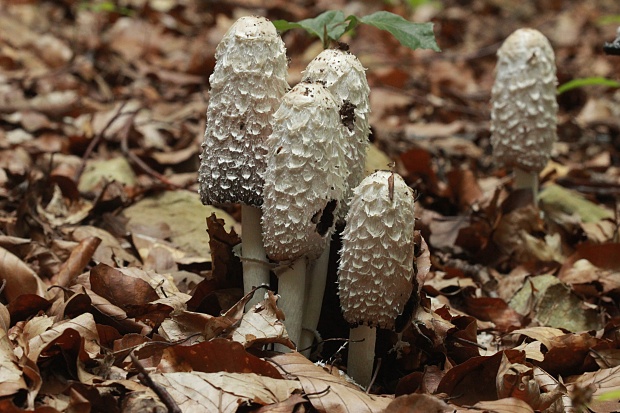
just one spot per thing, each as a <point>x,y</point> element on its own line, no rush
<point>524,106</point>
<point>304,184</point>
<point>344,76</point>
<point>376,264</point>
<point>247,84</point>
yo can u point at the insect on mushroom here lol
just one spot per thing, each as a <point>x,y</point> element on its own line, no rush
<point>375,275</point>
<point>247,84</point>
<point>524,106</point>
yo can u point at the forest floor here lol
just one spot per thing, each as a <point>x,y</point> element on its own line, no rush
<point>113,289</point>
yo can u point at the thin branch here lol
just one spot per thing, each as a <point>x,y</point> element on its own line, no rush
<point>161,392</point>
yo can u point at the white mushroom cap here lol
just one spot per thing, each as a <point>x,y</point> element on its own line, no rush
<point>376,262</point>
<point>304,180</point>
<point>524,106</point>
<point>247,84</point>
<point>343,74</point>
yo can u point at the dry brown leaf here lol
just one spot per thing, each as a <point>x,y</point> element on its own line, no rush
<point>603,381</point>
<point>262,325</point>
<point>509,405</point>
<point>120,289</point>
<point>110,251</point>
<point>287,406</point>
<point>475,379</point>
<point>414,403</point>
<point>40,338</point>
<point>79,258</point>
<point>20,278</point>
<point>11,376</point>
<point>5,317</point>
<point>199,392</point>
<point>328,393</point>
<point>542,334</point>
<point>217,355</point>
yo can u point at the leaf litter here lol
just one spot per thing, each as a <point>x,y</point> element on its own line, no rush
<point>110,266</point>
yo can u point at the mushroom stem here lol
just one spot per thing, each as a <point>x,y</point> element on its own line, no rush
<point>315,289</point>
<point>361,354</point>
<point>292,287</point>
<point>255,269</point>
<point>527,180</point>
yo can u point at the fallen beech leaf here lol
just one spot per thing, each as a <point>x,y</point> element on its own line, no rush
<point>27,305</point>
<point>225,263</point>
<point>542,334</point>
<point>422,261</point>
<point>445,230</point>
<point>287,406</point>
<point>120,289</point>
<point>475,379</point>
<point>464,188</point>
<point>110,251</point>
<point>98,172</point>
<point>181,210</point>
<point>78,260</point>
<point>199,392</point>
<point>262,325</point>
<point>376,159</point>
<point>570,353</point>
<point>217,355</point>
<point>420,382</point>
<point>84,325</point>
<point>20,278</point>
<point>11,377</point>
<point>112,314</point>
<point>5,317</point>
<point>572,202</point>
<point>603,381</point>
<point>518,380</point>
<point>417,403</point>
<point>330,394</point>
<point>509,405</point>
<point>554,304</point>
<point>495,310</point>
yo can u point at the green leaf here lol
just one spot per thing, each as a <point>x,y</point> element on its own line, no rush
<point>409,34</point>
<point>330,23</point>
<point>608,19</point>
<point>587,81</point>
<point>609,396</point>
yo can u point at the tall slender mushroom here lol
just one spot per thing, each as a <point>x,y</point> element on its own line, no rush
<point>524,106</point>
<point>376,264</point>
<point>247,85</point>
<point>304,184</point>
<point>344,76</point>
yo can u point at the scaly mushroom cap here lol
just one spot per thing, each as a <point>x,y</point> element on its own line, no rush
<point>376,261</point>
<point>524,112</point>
<point>343,75</point>
<point>304,180</point>
<point>247,84</point>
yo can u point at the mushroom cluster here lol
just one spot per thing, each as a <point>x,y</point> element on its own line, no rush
<point>298,154</point>
<point>295,155</point>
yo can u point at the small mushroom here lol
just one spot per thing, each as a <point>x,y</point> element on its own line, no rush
<point>247,84</point>
<point>344,76</point>
<point>524,106</point>
<point>376,264</point>
<point>304,185</point>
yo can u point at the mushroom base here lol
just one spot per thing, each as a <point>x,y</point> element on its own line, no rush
<point>361,354</point>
